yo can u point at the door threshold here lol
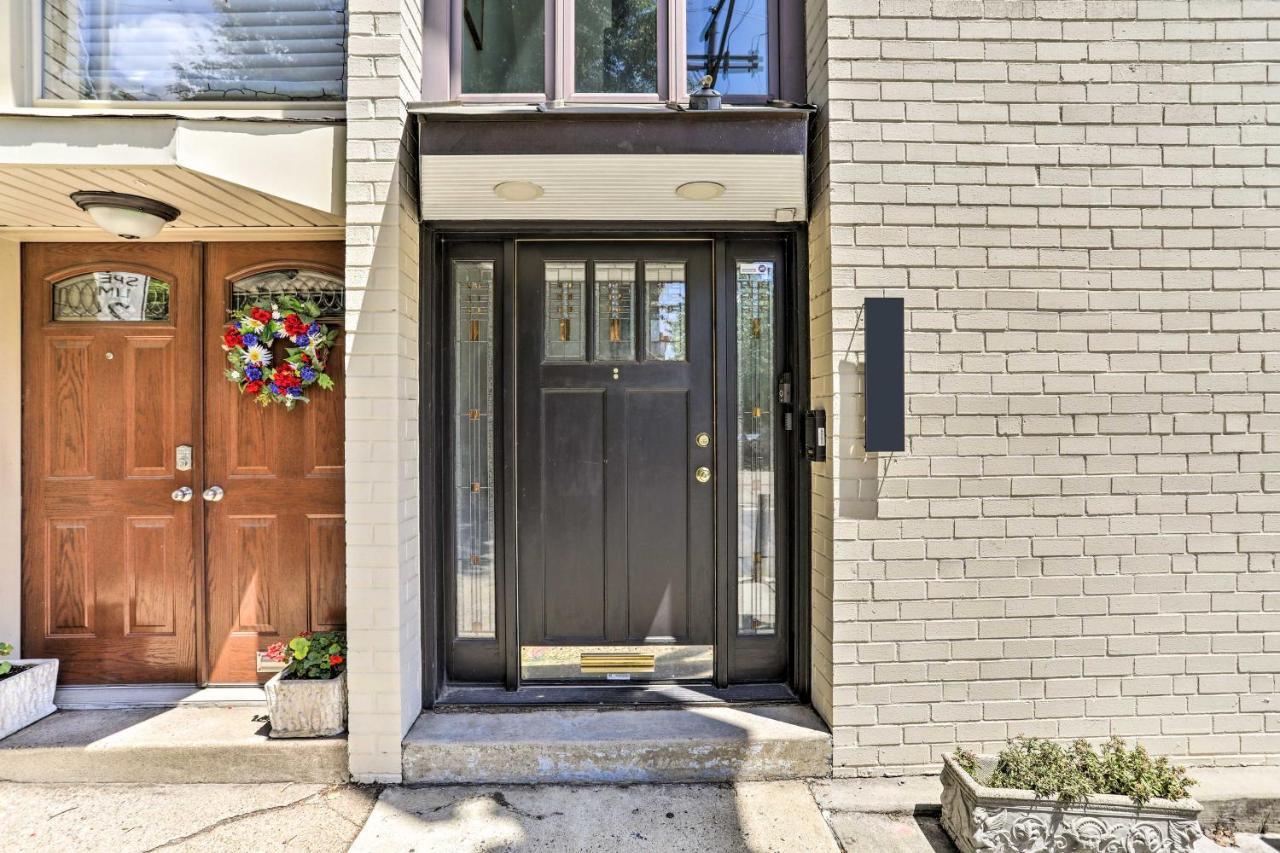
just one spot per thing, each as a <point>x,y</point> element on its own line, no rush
<point>471,696</point>
<point>108,696</point>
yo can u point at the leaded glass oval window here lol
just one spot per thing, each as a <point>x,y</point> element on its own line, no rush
<point>323,289</point>
<point>111,297</point>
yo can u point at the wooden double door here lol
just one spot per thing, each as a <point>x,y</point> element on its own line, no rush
<point>172,527</point>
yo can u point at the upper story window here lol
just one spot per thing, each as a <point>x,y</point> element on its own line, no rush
<point>612,50</point>
<point>194,50</point>
<point>729,41</point>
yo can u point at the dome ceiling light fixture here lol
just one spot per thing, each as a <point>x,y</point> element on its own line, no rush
<point>517,190</point>
<point>700,190</point>
<point>132,217</point>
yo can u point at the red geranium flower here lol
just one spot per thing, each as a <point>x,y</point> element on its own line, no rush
<point>293,325</point>
<point>232,337</point>
<point>334,660</point>
<point>253,387</point>
<point>262,315</point>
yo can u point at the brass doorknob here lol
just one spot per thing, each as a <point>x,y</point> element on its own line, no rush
<point>703,474</point>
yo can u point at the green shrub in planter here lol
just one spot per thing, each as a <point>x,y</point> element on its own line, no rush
<point>1078,772</point>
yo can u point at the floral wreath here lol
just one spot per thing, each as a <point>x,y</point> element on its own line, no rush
<point>248,339</point>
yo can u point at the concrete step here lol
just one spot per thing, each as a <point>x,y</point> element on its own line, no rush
<point>693,744</point>
<point>186,744</point>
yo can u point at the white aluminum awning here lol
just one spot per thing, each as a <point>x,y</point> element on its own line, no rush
<point>235,175</point>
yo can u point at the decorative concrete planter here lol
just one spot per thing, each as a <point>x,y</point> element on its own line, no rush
<point>307,707</point>
<point>1004,820</point>
<point>28,695</point>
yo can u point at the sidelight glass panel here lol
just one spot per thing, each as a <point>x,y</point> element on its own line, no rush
<point>503,47</point>
<point>666,313</point>
<point>117,297</point>
<point>615,312</point>
<point>728,41</point>
<point>473,465</point>
<point>194,50</point>
<point>563,336</point>
<point>757,492</point>
<point>615,46</point>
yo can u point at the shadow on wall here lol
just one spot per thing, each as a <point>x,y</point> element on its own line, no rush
<point>858,476</point>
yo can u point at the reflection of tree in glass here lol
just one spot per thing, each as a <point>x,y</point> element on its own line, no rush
<point>726,41</point>
<point>616,45</point>
<point>274,50</point>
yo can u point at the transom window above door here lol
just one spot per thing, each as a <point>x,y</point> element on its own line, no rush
<point>612,50</point>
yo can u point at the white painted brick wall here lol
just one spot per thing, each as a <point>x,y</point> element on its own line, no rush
<point>383,583</point>
<point>1079,201</point>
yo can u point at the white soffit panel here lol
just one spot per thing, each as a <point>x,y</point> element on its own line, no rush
<point>619,187</point>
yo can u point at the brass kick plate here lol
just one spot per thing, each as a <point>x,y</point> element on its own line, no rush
<point>613,662</point>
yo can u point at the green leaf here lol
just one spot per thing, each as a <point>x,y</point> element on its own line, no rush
<point>323,380</point>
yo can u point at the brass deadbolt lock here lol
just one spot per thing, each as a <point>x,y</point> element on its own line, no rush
<point>702,439</point>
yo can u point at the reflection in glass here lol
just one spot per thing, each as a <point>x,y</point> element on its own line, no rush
<point>615,312</point>
<point>616,46</point>
<point>473,469</point>
<point>503,47</point>
<point>127,297</point>
<point>563,338</point>
<point>665,311</point>
<point>195,50</point>
<point>729,40</point>
<point>757,544</point>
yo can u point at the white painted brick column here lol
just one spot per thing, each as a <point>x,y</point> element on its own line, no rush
<point>383,583</point>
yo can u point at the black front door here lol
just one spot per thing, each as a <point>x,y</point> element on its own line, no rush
<point>615,458</point>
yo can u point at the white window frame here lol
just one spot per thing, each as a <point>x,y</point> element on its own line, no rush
<point>35,9</point>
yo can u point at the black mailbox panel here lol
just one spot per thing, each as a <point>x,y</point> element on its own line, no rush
<point>884,319</point>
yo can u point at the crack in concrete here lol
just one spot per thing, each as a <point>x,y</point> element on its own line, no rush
<point>826,817</point>
<point>236,818</point>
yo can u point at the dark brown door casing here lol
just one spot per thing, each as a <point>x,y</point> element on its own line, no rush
<point>109,571</point>
<point>615,533</point>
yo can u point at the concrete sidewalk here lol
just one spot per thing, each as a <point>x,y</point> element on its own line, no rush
<point>878,816</point>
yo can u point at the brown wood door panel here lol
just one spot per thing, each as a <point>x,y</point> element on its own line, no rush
<point>109,572</point>
<point>275,543</point>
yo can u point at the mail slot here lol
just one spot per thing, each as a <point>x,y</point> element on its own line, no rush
<point>593,662</point>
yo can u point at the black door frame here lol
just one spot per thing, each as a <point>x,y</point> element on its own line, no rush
<point>500,660</point>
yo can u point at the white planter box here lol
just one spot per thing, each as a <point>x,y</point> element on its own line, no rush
<point>27,696</point>
<point>307,707</point>
<point>1003,820</point>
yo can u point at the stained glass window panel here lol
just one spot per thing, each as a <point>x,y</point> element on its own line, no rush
<point>757,492</point>
<point>111,297</point>
<point>666,311</point>
<point>473,464</point>
<point>564,337</point>
<point>615,331</point>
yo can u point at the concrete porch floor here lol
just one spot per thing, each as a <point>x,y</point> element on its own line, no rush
<point>167,745</point>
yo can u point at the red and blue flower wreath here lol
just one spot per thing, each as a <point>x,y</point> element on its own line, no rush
<point>249,339</point>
